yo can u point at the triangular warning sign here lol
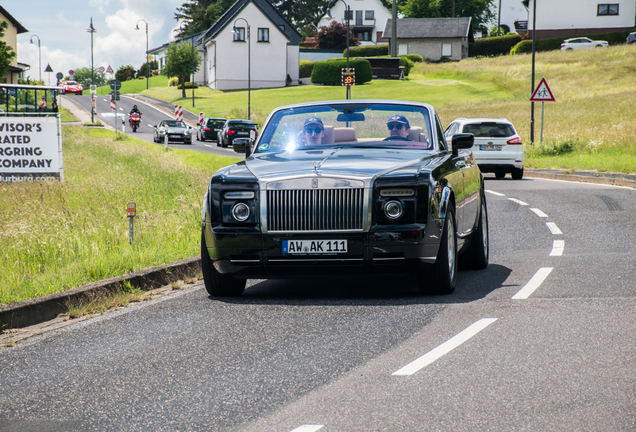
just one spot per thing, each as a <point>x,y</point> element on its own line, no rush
<point>109,70</point>
<point>48,68</point>
<point>542,93</point>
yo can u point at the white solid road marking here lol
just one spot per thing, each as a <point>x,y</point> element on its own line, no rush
<point>308,428</point>
<point>553,228</point>
<point>518,201</point>
<point>495,193</point>
<point>445,348</point>
<point>557,248</point>
<point>534,283</point>
<point>539,212</point>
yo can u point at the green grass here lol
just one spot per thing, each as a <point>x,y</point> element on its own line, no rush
<point>136,85</point>
<point>69,234</point>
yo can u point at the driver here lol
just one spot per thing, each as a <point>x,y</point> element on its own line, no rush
<point>135,110</point>
<point>399,127</point>
<point>313,131</point>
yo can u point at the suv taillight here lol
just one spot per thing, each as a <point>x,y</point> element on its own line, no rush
<point>231,132</point>
<point>207,129</point>
<point>514,141</point>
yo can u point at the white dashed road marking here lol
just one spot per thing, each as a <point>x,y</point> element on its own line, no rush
<point>518,201</point>
<point>445,348</point>
<point>534,283</point>
<point>539,212</point>
<point>308,428</point>
<point>557,248</point>
<point>495,193</point>
<point>553,228</point>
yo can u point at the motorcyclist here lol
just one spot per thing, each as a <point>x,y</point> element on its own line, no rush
<point>135,110</point>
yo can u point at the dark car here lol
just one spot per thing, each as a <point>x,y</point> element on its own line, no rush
<point>209,128</point>
<point>236,128</point>
<point>346,187</point>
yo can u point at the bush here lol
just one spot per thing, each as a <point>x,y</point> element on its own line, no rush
<point>369,51</point>
<point>188,85</point>
<point>174,81</point>
<point>415,58</point>
<point>523,47</point>
<point>329,72</point>
<point>306,66</point>
<point>493,46</point>
<point>503,30</point>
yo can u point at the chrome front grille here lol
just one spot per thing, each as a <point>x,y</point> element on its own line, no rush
<point>315,210</point>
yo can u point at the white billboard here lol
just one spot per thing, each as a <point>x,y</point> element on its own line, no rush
<point>30,148</point>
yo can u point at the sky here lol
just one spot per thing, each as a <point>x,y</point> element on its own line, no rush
<point>65,43</point>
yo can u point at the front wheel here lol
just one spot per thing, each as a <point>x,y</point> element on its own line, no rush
<point>217,284</point>
<point>442,278</point>
<point>476,257</point>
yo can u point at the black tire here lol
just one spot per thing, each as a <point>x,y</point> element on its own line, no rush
<point>443,276</point>
<point>517,174</point>
<point>217,284</point>
<point>476,257</point>
<point>500,174</point>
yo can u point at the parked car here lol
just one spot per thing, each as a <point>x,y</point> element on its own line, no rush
<point>631,38</point>
<point>72,87</point>
<point>582,42</point>
<point>346,187</point>
<point>236,128</point>
<point>497,149</point>
<point>176,131</point>
<point>209,128</point>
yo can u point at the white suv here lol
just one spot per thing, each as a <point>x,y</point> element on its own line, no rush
<point>497,149</point>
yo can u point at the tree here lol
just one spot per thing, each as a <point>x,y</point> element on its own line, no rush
<point>125,73</point>
<point>179,62</point>
<point>83,76</point>
<point>200,15</point>
<point>300,13</point>
<point>142,69</point>
<point>335,36</point>
<point>479,10</point>
<point>7,55</point>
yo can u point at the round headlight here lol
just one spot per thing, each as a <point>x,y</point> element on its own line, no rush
<point>393,210</point>
<point>240,212</point>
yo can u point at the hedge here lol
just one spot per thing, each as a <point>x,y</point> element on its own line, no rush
<point>188,85</point>
<point>525,46</point>
<point>493,46</point>
<point>367,51</point>
<point>329,72</point>
<point>306,66</point>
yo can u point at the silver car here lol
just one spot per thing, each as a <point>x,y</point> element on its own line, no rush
<point>175,130</point>
<point>582,42</point>
<point>497,149</point>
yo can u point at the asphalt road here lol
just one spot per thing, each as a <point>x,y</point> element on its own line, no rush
<point>152,114</point>
<point>542,340</point>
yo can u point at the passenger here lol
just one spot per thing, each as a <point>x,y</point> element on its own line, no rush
<point>42,104</point>
<point>399,128</point>
<point>313,131</point>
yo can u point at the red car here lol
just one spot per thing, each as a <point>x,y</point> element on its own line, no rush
<point>72,87</point>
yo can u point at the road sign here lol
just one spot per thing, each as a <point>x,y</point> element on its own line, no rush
<point>71,72</point>
<point>102,69</point>
<point>178,112</point>
<point>201,117</point>
<point>113,105</point>
<point>59,75</point>
<point>348,76</point>
<point>542,93</point>
<point>149,57</point>
<point>114,84</point>
<point>131,209</point>
<point>109,70</point>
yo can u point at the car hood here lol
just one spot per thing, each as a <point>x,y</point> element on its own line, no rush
<point>174,130</point>
<point>359,163</point>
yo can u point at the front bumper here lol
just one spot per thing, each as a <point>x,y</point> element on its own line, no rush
<point>384,250</point>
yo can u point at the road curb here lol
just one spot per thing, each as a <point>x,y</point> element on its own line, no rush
<point>37,310</point>
<point>590,178</point>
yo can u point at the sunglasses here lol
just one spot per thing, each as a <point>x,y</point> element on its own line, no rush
<point>398,126</point>
<point>311,130</point>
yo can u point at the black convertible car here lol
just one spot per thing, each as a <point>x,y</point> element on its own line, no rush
<point>346,187</point>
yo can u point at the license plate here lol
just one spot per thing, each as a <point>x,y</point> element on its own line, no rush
<point>242,133</point>
<point>490,147</point>
<point>175,136</point>
<point>314,246</point>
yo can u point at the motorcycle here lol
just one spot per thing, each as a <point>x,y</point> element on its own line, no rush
<point>135,121</point>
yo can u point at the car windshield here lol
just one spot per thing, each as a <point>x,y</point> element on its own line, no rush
<point>174,123</point>
<point>489,129</point>
<point>216,123</point>
<point>71,83</point>
<point>382,125</point>
<point>242,125</point>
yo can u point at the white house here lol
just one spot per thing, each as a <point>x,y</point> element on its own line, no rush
<point>562,18</point>
<point>367,20</point>
<point>161,55</point>
<point>511,11</point>
<point>263,34</point>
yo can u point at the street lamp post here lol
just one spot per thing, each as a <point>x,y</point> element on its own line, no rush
<point>347,18</point>
<point>147,63</point>
<point>92,30</point>
<point>39,56</point>
<point>249,81</point>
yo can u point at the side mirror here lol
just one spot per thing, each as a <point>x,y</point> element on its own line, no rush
<point>462,141</point>
<point>242,145</point>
